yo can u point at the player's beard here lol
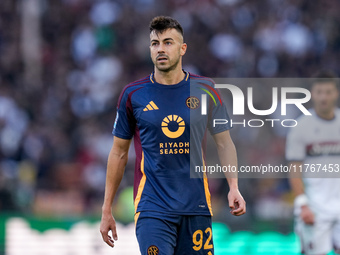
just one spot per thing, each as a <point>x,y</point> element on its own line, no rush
<point>326,109</point>
<point>167,68</point>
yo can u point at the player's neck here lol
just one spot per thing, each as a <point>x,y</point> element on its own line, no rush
<point>169,78</point>
<point>329,115</point>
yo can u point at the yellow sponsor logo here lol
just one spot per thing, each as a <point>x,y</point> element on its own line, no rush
<point>173,118</point>
<point>174,148</point>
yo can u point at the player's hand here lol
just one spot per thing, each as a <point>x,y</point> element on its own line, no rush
<point>236,202</point>
<point>307,215</point>
<point>108,223</point>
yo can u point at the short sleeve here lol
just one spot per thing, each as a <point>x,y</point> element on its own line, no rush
<point>218,119</point>
<point>125,122</point>
<point>295,147</point>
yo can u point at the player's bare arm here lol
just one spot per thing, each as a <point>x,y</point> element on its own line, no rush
<point>228,156</point>
<point>298,189</point>
<point>115,169</point>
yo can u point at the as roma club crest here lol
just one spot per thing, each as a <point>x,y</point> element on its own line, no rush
<point>192,102</point>
<point>153,250</point>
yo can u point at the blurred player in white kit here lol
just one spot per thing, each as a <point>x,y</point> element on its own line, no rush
<point>315,143</point>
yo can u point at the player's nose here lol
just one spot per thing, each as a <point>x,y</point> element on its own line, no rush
<point>161,48</point>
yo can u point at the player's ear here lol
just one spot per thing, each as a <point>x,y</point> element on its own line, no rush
<point>183,48</point>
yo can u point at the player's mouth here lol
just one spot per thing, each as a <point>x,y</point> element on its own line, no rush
<point>161,59</point>
<point>324,104</point>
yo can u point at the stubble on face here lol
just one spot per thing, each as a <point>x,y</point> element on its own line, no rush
<point>166,54</point>
<point>324,97</point>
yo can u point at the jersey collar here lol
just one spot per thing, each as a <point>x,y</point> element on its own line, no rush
<point>185,78</point>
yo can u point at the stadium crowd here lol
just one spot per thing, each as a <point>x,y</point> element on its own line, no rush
<point>55,129</point>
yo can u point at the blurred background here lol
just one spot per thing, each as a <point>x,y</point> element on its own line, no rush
<point>63,64</point>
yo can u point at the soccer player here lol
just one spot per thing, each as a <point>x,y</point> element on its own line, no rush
<point>314,146</point>
<point>162,112</point>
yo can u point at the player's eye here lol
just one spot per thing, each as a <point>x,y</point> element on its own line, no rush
<point>168,43</point>
<point>154,43</point>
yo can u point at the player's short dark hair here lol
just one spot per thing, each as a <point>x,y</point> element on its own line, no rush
<point>161,23</point>
<point>325,76</point>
